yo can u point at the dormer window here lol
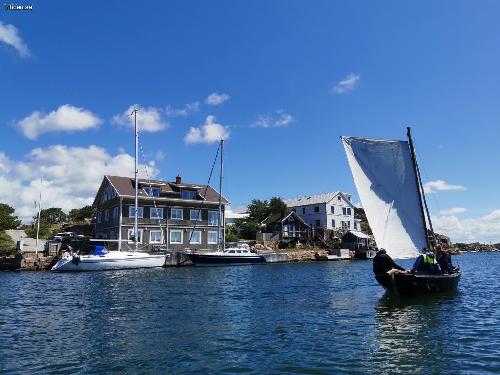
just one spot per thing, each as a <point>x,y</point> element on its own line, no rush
<point>188,194</point>
<point>152,191</point>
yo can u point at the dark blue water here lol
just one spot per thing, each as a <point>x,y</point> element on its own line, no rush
<point>311,318</point>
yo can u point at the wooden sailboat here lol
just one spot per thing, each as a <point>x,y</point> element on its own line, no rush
<point>388,182</point>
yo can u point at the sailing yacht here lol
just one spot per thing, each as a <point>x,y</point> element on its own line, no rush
<point>100,258</point>
<point>388,182</point>
<point>234,255</point>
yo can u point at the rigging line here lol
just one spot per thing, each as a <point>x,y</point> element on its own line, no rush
<point>205,194</point>
<point>422,167</point>
<point>149,183</point>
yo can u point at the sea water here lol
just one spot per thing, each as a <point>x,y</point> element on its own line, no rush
<point>306,318</point>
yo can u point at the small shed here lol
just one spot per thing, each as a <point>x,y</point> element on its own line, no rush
<point>286,227</point>
<point>355,240</point>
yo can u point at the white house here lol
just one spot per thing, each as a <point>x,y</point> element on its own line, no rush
<point>328,211</point>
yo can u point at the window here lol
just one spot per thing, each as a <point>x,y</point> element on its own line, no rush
<point>303,210</point>
<point>156,212</point>
<point>115,212</point>
<point>316,208</point>
<point>317,223</point>
<point>333,223</point>
<point>188,194</point>
<point>152,191</point>
<point>355,225</point>
<point>131,211</point>
<point>155,236</point>
<point>212,237</point>
<point>106,215</point>
<point>213,218</point>
<point>176,214</point>
<point>130,236</point>
<point>346,224</point>
<point>98,218</point>
<point>175,236</point>
<point>332,209</point>
<point>195,237</point>
<point>346,211</point>
<point>339,198</point>
<point>195,215</point>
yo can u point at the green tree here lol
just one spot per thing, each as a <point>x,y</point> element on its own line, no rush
<point>53,215</point>
<point>7,218</point>
<point>247,228</point>
<point>359,213</point>
<point>258,210</point>
<point>78,215</point>
<point>277,206</point>
<point>231,234</point>
<point>45,230</point>
<point>7,246</point>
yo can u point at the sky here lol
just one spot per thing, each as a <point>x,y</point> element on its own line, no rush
<point>279,80</point>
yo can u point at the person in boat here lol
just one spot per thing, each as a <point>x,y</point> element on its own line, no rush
<point>382,263</point>
<point>426,264</point>
<point>444,259</point>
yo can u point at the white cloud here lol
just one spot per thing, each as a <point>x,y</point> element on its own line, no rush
<point>210,132</point>
<point>347,84</point>
<point>159,155</point>
<point>148,119</point>
<point>10,36</point>
<point>216,99</point>
<point>453,211</point>
<point>71,176</point>
<point>182,112</point>
<point>440,185</point>
<point>482,229</point>
<point>281,118</point>
<point>66,118</point>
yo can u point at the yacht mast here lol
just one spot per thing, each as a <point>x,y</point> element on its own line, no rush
<point>221,239</point>
<point>136,232</point>
<point>39,214</point>
<point>420,191</point>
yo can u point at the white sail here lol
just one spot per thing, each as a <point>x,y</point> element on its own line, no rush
<point>385,179</point>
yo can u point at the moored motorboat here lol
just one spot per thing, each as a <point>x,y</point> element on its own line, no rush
<point>235,256</point>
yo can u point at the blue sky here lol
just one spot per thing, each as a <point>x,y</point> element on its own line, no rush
<point>290,77</point>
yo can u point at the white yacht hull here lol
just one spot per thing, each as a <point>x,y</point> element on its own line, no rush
<point>113,260</point>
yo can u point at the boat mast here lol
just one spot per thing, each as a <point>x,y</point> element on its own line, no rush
<point>221,238</point>
<point>420,191</point>
<point>39,214</point>
<point>136,232</point>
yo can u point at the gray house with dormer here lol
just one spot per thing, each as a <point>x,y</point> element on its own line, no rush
<point>171,215</point>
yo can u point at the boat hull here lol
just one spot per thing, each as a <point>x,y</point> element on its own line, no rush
<point>109,261</point>
<point>411,284</point>
<point>224,260</point>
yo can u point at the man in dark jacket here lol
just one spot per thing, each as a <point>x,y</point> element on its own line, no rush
<point>382,263</point>
<point>444,260</point>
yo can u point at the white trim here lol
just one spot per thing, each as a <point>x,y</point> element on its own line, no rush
<point>141,233</point>
<point>172,209</point>
<point>208,218</point>
<point>140,212</point>
<point>161,236</point>
<point>152,209</point>
<point>208,233</point>
<point>191,236</point>
<point>191,214</point>
<point>170,236</point>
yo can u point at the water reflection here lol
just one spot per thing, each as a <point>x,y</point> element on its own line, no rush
<point>412,331</point>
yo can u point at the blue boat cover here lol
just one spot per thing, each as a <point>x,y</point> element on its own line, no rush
<point>99,250</point>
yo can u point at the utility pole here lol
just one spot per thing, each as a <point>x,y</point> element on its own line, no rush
<point>136,231</point>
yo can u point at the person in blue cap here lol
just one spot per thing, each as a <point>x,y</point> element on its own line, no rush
<point>426,264</point>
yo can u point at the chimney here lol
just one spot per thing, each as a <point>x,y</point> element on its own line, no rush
<point>178,180</point>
